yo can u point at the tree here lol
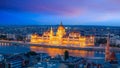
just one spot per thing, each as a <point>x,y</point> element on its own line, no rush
<point>66,55</point>
<point>20,38</point>
<point>101,41</point>
<point>4,37</point>
<point>31,53</point>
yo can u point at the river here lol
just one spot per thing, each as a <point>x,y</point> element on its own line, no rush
<point>12,49</point>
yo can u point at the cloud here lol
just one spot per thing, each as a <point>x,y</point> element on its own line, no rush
<point>75,10</point>
<point>42,6</point>
<point>66,7</point>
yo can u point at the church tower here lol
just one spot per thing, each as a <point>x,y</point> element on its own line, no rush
<point>107,50</point>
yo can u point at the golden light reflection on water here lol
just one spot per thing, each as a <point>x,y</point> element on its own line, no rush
<point>56,51</point>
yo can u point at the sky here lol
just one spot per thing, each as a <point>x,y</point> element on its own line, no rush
<point>52,12</point>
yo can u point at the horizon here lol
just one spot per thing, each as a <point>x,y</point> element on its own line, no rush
<point>57,25</point>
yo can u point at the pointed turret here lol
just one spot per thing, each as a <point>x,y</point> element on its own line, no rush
<point>51,32</point>
<point>51,35</point>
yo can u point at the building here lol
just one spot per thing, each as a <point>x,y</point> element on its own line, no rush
<point>1,57</point>
<point>14,62</point>
<point>11,36</point>
<point>115,39</point>
<point>28,37</point>
<point>60,37</point>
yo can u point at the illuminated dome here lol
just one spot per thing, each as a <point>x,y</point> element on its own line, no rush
<point>61,30</point>
<point>61,27</point>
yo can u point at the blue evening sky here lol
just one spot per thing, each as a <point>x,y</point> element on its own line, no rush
<point>52,12</point>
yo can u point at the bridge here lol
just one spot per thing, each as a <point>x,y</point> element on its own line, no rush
<point>101,49</point>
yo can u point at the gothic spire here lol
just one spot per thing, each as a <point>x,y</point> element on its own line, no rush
<point>107,49</point>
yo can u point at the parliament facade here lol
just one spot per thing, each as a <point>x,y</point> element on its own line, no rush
<point>62,38</point>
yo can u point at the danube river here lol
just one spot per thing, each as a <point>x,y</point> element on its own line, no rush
<point>15,49</point>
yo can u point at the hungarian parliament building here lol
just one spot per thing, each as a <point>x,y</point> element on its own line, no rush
<point>62,38</point>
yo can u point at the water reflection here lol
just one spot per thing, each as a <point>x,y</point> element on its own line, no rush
<point>55,51</point>
<point>12,49</point>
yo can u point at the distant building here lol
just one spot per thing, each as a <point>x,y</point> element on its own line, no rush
<point>11,36</point>
<point>62,38</point>
<point>28,37</point>
<point>1,57</point>
<point>49,65</point>
<point>15,62</point>
<point>115,40</point>
<point>2,65</point>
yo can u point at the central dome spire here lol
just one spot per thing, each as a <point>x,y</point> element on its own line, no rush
<point>61,27</point>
